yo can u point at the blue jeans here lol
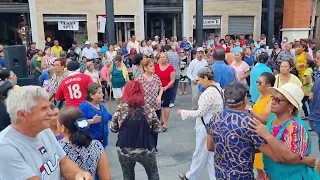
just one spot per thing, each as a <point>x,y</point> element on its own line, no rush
<point>315,125</point>
<point>175,90</point>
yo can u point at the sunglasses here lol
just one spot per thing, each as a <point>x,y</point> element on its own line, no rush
<point>277,100</point>
<point>181,52</point>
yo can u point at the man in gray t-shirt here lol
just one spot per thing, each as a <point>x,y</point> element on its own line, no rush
<point>28,148</point>
<point>39,156</point>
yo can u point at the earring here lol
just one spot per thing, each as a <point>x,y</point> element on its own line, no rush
<point>290,111</point>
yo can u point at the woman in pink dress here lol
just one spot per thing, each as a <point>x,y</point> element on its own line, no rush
<point>241,67</point>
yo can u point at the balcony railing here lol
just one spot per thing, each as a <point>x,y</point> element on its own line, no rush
<point>164,3</point>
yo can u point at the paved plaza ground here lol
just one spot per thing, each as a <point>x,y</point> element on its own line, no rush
<point>176,147</point>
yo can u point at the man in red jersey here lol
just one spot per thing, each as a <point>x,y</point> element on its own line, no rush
<point>73,88</point>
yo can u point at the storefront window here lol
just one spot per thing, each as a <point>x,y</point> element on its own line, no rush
<point>66,37</point>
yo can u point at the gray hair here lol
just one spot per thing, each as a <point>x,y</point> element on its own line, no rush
<point>318,53</point>
<point>206,71</point>
<point>23,99</point>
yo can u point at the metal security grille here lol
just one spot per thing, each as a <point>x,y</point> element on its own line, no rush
<point>14,7</point>
<point>239,25</point>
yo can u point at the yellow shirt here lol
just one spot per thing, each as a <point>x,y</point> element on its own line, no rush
<point>301,60</point>
<point>259,108</point>
<point>294,79</point>
<point>261,104</point>
<point>56,50</point>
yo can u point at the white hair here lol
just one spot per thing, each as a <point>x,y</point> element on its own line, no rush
<point>23,99</point>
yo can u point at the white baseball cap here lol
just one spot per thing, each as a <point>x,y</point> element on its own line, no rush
<point>87,42</point>
<point>200,49</point>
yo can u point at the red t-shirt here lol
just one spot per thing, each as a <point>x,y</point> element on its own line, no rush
<point>73,89</point>
<point>242,42</point>
<point>164,75</point>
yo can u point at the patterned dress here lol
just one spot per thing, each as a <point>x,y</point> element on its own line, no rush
<point>151,90</point>
<point>86,158</point>
<point>235,145</point>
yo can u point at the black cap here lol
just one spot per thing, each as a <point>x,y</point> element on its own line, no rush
<point>73,66</point>
<point>263,57</point>
<point>235,93</point>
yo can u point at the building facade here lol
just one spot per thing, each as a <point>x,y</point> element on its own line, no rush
<point>79,19</point>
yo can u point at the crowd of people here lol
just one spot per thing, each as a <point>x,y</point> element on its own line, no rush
<point>246,99</point>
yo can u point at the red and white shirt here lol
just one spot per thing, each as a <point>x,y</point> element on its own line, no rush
<point>73,89</point>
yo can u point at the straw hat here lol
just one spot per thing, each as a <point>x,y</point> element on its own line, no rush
<point>292,92</point>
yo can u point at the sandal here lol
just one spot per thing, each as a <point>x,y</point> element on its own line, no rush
<point>181,93</point>
<point>185,93</point>
<point>164,129</point>
<point>183,176</point>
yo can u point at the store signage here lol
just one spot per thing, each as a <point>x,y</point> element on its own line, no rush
<point>68,25</point>
<point>101,24</point>
<point>208,22</point>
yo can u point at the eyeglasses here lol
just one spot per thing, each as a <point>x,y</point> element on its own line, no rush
<point>181,52</point>
<point>277,100</point>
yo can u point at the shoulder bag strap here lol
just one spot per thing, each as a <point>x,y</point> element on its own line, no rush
<point>102,123</point>
<point>206,125</point>
<point>284,127</point>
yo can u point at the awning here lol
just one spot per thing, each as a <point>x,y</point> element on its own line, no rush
<point>56,18</point>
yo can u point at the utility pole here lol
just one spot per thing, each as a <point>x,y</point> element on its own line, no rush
<point>271,7</point>
<point>199,23</point>
<point>110,32</point>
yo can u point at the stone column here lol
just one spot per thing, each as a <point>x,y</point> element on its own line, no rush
<point>296,19</point>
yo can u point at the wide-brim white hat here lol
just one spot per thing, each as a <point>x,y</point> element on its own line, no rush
<point>292,92</point>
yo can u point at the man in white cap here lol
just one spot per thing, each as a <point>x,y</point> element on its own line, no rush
<point>89,52</point>
<point>192,74</point>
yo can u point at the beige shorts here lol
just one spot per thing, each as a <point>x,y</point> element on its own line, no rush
<point>117,93</point>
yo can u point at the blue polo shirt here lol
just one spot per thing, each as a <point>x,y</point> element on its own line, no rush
<point>255,73</point>
<point>249,60</point>
<point>223,73</point>
<point>314,114</point>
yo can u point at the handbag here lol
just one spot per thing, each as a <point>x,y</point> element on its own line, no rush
<point>221,94</point>
<point>102,124</point>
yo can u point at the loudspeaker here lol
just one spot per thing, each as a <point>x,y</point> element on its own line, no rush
<point>29,80</point>
<point>16,60</point>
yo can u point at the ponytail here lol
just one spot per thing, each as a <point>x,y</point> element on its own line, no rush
<point>81,138</point>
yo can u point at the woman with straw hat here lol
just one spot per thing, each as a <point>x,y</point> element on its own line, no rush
<point>286,126</point>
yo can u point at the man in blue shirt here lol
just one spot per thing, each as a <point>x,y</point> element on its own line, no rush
<point>248,58</point>
<point>314,116</point>
<point>255,73</point>
<point>104,48</point>
<point>223,73</point>
<point>185,45</point>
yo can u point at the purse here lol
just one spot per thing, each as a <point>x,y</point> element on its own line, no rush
<point>102,124</point>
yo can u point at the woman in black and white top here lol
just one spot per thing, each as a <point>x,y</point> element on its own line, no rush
<point>79,145</point>
<point>210,102</point>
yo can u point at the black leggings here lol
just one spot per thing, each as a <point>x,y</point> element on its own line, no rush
<point>305,105</point>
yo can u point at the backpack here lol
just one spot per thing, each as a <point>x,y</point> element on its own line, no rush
<point>135,131</point>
